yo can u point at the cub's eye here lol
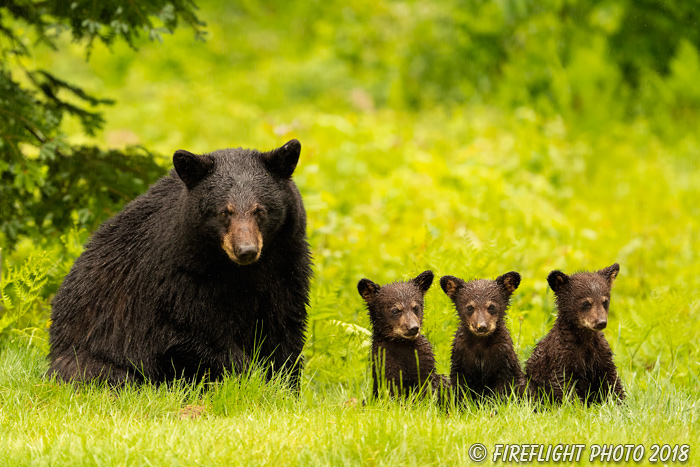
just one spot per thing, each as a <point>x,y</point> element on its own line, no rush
<point>395,311</point>
<point>225,213</point>
<point>260,212</point>
<point>606,303</point>
<point>586,305</point>
<point>470,309</point>
<point>492,308</point>
<point>416,308</point>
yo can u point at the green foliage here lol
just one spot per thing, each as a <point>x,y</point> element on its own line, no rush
<point>578,58</point>
<point>34,152</point>
<point>30,275</point>
<point>84,188</point>
<point>20,290</point>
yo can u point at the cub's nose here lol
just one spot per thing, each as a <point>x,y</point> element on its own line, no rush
<point>247,253</point>
<point>413,331</point>
<point>600,324</point>
<point>481,328</point>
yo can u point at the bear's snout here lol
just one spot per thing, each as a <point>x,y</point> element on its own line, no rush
<point>408,326</point>
<point>243,242</point>
<point>247,253</point>
<point>482,323</point>
<point>596,320</point>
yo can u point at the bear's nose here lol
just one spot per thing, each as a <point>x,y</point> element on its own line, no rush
<point>247,253</point>
<point>481,327</point>
<point>413,330</point>
<point>600,324</point>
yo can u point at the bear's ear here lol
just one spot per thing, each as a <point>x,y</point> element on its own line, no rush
<point>424,280</point>
<point>282,161</point>
<point>192,168</point>
<point>557,280</point>
<point>367,289</point>
<point>450,285</point>
<point>509,282</point>
<point>610,273</point>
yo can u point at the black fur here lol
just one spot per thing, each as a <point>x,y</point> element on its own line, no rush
<point>191,276</point>
<point>575,355</point>
<point>484,363</point>
<point>401,356</point>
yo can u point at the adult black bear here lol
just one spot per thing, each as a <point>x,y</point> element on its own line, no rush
<point>193,277</point>
<point>574,356</point>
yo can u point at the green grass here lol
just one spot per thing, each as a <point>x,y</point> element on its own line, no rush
<point>242,421</point>
<point>473,191</point>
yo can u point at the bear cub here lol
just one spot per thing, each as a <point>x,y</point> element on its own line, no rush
<point>401,356</point>
<point>574,355</point>
<point>484,363</point>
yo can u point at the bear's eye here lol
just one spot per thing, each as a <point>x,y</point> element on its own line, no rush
<point>416,308</point>
<point>492,308</point>
<point>586,305</point>
<point>225,213</point>
<point>395,311</point>
<point>470,309</point>
<point>260,213</point>
<point>606,303</point>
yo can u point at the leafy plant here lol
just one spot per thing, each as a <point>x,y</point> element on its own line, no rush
<point>21,290</point>
<point>39,166</point>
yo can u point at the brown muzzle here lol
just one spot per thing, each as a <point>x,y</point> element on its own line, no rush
<point>243,241</point>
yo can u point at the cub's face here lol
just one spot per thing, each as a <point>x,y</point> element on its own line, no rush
<point>584,298</point>
<point>240,197</point>
<point>481,303</point>
<point>396,310</point>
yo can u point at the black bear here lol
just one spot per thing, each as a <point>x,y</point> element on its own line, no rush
<point>401,356</point>
<point>574,355</point>
<point>484,363</point>
<point>193,278</point>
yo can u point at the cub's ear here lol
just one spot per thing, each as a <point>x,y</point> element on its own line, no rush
<point>509,281</point>
<point>192,168</point>
<point>450,285</point>
<point>282,161</point>
<point>424,280</point>
<point>610,273</point>
<point>557,280</point>
<point>367,289</point>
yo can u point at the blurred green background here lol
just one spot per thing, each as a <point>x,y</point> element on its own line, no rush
<point>469,137</point>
